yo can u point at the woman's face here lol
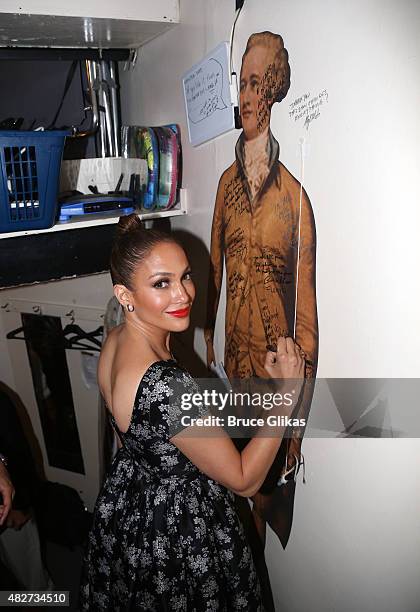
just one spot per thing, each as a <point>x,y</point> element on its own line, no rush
<point>255,106</point>
<point>163,288</point>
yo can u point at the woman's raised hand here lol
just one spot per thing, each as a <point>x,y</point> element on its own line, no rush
<point>287,361</point>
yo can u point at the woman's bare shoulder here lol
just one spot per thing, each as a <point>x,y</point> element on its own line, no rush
<point>114,333</point>
<point>108,349</point>
<point>121,366</point>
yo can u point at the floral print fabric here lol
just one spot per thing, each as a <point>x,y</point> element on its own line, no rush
<point>164,535</point>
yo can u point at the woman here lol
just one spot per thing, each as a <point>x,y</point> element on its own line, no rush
<point>165,534</point>
<point>257,225</point>
<point>7,491</point>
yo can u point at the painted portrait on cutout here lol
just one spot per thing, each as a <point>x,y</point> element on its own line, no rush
<point>263,228</point>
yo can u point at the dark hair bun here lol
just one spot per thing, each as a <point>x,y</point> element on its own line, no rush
<point>129,223</point>
<point>132,244</point>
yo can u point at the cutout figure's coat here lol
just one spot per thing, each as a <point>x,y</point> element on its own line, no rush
<point>258,237</point>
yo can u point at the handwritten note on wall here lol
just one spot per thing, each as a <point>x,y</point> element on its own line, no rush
<point>307,107</point>
<point>207,96</point>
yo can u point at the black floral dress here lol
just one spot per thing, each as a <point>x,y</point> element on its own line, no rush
<point>164,535</point>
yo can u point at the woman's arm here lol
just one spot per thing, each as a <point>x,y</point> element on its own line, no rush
<point>217,456</point>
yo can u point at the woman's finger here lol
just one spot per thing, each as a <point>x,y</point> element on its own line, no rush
<point>281,346</point>
<point>290,346</point>
<point>270,358</point>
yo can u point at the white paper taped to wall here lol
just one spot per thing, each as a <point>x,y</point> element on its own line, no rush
<point>89,369</point>
<point>207,96</point>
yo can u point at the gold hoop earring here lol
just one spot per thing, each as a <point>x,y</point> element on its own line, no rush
<point>130,307</point>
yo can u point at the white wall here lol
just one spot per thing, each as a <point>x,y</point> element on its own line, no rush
<point>355,539</point>
<point>361,170</point>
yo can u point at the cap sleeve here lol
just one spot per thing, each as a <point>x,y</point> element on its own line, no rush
<point>170,401</point>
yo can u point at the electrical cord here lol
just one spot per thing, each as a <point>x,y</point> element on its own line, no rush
<point>232,34</point>
<point>238,122</point>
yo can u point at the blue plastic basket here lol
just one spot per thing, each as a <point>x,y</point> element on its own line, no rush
<point>30,172</point>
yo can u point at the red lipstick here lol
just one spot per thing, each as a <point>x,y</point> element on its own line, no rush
<point>180,313</point>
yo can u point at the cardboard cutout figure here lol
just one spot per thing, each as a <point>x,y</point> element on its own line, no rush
<point>263,226</point>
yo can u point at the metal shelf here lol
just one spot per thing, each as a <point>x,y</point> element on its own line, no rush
<point>85,23</point>
<point>95,220</point>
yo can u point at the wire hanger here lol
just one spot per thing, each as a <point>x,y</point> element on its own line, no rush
<point>13,335</point>
<point>81,339</point>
